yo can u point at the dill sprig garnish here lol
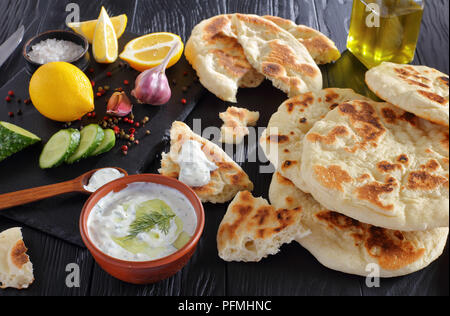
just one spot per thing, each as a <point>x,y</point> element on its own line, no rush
<point>150,220</point>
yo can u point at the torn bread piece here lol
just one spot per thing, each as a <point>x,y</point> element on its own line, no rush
<point>277,54</point>
<point>215,53</point>
<point>16,269</point>
<point>322,49</point>
<point>226,181</point>
<point>236,121</point>
<point>252,229</point>
<point>347,245</point>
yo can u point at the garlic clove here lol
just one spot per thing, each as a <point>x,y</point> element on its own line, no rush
<point>119,104</point>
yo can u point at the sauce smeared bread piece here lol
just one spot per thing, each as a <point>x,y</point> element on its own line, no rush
<point>420,90</point>
<point>215,53</point>
<point>380,165</point>
<point>252,229</point>
<point>347,245</point>
<point>226,181</point>
<point>235,125</point>
<point>16,270</point>
<point>277,54</point>
<point>322,49</point>
<point>282,141</point>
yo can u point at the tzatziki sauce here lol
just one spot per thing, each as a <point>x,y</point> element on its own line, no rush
<point>195,168</point>
<point>102,177</point>
<point>111,222</point>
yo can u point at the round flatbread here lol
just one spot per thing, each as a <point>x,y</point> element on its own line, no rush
<point>282,141</point>
<point>215,53</point>
<point>322,49</point>
<point>380,165</point>
<point>277,54</point>
<point>344,244</point>
<point>417,89</point>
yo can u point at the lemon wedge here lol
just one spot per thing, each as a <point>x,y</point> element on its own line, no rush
<point>61,92</point>
<point>105,47</point>
<point>87,28</point>
<point>148,51</point>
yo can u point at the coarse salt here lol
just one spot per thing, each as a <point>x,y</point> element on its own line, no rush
<point>51,50</point>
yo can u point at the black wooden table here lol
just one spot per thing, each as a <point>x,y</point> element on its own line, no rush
<point>293,271</point>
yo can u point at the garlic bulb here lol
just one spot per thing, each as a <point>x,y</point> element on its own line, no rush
<point>152,86</point>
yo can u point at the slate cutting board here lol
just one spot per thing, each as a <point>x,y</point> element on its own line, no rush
<point>21,171</point>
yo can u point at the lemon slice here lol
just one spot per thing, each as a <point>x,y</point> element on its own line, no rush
<point>87,28</point>
<point>105,47</point>
<point>148,51</point>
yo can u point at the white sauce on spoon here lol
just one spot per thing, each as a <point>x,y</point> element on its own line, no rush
<point>195,168</point>
<point>102,177</point>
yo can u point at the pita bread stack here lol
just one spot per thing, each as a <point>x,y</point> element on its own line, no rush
<point>16,270</point>
<point>346,245</point>
<point>226,181</point>
<point>378,179</point>
<point>238,51</point>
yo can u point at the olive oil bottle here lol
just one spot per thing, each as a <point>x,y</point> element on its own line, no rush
<point>384,30</point>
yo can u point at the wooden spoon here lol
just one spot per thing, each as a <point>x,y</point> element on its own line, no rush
<point>36,194</point>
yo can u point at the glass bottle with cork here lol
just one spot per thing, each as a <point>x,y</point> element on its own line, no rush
<point>385,30</point>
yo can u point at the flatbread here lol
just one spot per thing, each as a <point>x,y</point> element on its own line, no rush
<point>252,229</point>
<point>322,49</point>
<point>277,54</point>
<point>417,89</point>
<point>282,141</point>
<point>344,244</point>
<point>226,181</point>
<point>214,52</point>
<point>235,125</point>
<point>380,165</point>
<point>16,270</point>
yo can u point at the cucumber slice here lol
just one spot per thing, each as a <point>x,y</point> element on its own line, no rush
<point>109,141</point>
<point>60,146</point>
<point>182,240</point>
<point>14,139</point>
<point>91,137</point>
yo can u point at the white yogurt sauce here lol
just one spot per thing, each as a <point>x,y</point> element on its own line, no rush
<point>195,168</point>
<point>102,177</point>
<point>113,214</point>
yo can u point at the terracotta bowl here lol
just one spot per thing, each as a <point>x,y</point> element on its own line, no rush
<point>148,271</point>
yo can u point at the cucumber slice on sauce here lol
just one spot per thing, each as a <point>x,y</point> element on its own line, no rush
<point>182,240</point>
<point>91,137</point>
<point>108,143</point>
<point>14,139</point>
<point>60,146</point>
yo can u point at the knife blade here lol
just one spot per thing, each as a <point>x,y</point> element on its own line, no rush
<point>10,45</point>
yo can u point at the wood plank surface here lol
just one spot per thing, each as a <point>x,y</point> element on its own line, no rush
<point>206,274</point>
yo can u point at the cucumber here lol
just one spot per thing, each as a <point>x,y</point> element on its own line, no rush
<point>14,139</point>
<point>91,137</point>
<point>109,141</point>
<point>60,146</point>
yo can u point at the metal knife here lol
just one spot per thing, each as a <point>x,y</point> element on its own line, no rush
<point>10,45</point>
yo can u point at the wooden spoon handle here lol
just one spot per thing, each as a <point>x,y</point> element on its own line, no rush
<point>36,194</point>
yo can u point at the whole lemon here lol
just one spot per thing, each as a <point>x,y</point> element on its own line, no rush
<point>61,92</point>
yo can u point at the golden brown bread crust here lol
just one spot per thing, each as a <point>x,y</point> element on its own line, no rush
<point>345,244</point>
<point>379,164</point>
<point>321,48</point>
<point>252,229</point>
